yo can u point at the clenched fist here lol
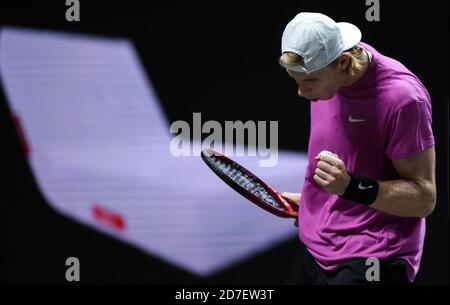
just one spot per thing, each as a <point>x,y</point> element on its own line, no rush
<point>331,173</point>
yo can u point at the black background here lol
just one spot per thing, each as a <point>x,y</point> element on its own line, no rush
<point>220,59</point>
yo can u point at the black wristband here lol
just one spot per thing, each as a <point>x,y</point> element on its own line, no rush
<point>361,189</point>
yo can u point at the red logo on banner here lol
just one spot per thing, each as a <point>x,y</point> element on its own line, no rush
<point>108,217</point>
<point>23,139</point>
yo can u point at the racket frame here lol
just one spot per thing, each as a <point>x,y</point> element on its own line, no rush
<point>289,210</point>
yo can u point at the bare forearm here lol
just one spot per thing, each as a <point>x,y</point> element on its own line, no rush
<point>406,198</point>
<point>414,195</point>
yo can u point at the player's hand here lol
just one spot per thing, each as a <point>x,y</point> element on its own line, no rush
<point>331,173</point>
<point>293,198</point>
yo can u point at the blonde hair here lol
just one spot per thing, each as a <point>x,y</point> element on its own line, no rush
<point>356,55</point>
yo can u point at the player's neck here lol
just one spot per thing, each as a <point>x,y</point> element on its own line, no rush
<point>366,62</point>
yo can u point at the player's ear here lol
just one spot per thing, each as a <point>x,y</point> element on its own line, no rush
<point>344,62</point>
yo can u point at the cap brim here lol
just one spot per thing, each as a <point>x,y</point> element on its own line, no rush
<point>350,34</point>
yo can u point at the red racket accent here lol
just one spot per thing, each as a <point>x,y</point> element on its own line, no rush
<point>249,185</point>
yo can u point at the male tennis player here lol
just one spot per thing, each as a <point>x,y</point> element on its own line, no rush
<point>368,196</point>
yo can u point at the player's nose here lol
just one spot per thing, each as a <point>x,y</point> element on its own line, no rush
<point>302,92</point>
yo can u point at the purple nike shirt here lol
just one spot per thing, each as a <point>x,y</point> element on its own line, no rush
<point>385,115</point>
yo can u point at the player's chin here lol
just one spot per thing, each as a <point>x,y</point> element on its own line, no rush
<point>319,98</point>
<point>313,99</point>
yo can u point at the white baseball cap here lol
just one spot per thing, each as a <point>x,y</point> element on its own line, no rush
<point>318,39</point>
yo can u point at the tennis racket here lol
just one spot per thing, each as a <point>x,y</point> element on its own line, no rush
<point>248,185</point>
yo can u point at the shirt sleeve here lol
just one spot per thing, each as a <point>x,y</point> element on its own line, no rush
<point>410,131</point>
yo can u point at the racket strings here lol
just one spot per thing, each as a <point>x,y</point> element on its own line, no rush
<point>245,181</point>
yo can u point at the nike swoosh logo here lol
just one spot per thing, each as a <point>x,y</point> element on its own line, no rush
<point>361,187</point>
<point>352,120</point>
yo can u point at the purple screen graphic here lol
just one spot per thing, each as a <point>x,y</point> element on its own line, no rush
<point>98,145</point>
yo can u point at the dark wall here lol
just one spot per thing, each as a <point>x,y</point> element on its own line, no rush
<point>221,60</point>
